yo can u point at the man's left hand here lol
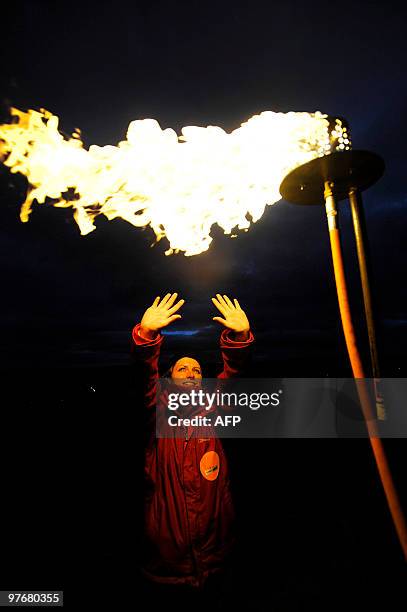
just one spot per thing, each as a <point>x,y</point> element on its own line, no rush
<point>234,318</point>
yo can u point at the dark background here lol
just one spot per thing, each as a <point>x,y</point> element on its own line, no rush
<point>313,520</point>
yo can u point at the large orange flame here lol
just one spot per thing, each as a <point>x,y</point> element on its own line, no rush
<point>180,186</point>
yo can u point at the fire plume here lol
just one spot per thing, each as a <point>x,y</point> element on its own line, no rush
<point>178,185</point>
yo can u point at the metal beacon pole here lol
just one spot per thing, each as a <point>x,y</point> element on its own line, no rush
<point>343,173</point>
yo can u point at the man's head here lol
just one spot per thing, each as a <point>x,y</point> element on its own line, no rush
<point>186,373</point>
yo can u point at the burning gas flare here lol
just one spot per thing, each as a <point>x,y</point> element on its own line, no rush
<point>179,185</point>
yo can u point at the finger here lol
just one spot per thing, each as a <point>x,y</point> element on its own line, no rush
<point>165,299</point>
<point>221,300</point>
<point>157,299</point>
<point>171,300</point>
<point>228,302</point>
<point>171,319</point>
<point>218,306</point>
<point>220,320</point>
<point>176,307</point>
<point>237,304</point>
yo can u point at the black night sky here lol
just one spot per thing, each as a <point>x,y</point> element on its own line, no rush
<point>69,302</point>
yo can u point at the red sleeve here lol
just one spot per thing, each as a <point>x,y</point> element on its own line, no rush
<point>147,353</point>
<point>234,354</point>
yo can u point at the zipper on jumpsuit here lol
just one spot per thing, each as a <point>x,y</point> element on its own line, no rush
<point>195,558</point>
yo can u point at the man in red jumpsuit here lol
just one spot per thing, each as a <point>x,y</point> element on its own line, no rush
<point>188,508</point>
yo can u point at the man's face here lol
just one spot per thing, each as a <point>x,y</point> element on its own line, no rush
<point>187,373</point>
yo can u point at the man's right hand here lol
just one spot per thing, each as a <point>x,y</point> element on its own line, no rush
<point>159,315</point>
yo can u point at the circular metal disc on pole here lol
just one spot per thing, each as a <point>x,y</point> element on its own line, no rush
<point>345,169</point>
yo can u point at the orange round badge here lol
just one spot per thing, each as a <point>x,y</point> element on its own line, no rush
<point>209,465</point>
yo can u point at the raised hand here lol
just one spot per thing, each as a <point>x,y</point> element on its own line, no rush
<point>160,314</point>
<point>234,317</point>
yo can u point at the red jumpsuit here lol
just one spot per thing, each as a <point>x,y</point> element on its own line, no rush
<point>188,507</point>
